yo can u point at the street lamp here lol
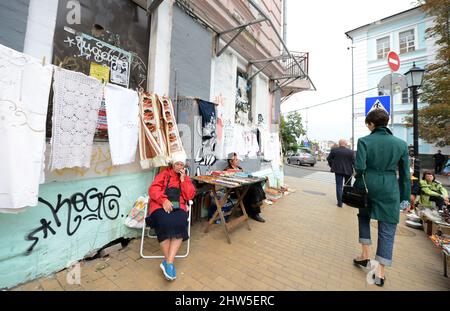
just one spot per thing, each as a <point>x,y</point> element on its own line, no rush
<point>414,77</point>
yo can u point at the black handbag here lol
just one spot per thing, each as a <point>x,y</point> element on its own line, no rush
<point>355,197</point>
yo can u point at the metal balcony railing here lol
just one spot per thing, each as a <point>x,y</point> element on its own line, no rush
<point>295,68</point>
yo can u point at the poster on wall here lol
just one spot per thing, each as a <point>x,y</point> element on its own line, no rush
<point>242,114</point>
<point>99,72</point>
<point>120,73</point>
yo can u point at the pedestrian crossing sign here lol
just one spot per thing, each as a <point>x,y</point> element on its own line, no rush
<point>379,102</point>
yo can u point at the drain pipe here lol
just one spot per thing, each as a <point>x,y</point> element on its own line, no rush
<point>285,21</point>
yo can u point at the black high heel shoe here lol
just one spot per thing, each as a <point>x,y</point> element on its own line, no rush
<point>361,263</point>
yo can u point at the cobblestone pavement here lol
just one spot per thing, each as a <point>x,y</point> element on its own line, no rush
<point>307,243</point>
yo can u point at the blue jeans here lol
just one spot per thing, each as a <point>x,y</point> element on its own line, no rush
<point>386,234</point>
<point>340,185</point>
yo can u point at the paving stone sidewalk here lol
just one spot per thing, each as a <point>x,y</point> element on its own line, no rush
<point>307,243</point>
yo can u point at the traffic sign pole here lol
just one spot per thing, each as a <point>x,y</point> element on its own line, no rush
<point>392,104</point>
<point>394,63</point>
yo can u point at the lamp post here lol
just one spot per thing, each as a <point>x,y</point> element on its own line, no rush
<point>414,77</point>
<point>353,101</point>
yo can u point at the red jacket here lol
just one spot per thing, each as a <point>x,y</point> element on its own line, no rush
<point>158,187</point>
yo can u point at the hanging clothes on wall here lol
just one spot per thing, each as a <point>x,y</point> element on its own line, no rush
<point>122,111</point>
<point>268,145</point>
<point>209,119</point>
<point>152,142</point>
<point>24,90</point>
<point>238,144</point>
<point>254,147</point>
<point>76,102</point>
<point>207,151</point>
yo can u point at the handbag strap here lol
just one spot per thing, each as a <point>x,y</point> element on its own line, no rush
<point>364,180</point>
<point>365,185</point>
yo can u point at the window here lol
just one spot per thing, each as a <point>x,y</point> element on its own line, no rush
<point>406,96</point>
<point>383,47</point>
<point>122,46</point>
<point>406,39</point>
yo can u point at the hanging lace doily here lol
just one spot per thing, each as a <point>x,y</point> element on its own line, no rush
<point>76,102</point>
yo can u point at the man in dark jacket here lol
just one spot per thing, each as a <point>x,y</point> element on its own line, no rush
<point>341,160</point>
<point>439,161</point>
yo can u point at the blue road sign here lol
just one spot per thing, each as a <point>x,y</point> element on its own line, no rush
<point>379,102</point>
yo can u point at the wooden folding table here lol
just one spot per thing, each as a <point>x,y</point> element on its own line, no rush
<point>237,185</point>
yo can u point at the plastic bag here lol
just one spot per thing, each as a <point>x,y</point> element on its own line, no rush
<point>136,217</point>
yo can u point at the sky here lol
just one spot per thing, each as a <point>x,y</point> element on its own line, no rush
<point>319,27</point>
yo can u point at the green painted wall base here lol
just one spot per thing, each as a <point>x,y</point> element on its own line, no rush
<point>71,220</point>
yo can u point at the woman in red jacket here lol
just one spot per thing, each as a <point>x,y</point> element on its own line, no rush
<point>169,193</point>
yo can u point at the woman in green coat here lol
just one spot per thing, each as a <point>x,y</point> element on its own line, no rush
<point>378,158</point>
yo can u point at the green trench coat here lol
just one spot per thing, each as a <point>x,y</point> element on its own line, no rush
<point>379,156</point>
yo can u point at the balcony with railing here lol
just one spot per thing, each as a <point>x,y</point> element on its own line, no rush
<point>252,32</point>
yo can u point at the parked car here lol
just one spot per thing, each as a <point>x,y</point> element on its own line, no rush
<point>303,157</point>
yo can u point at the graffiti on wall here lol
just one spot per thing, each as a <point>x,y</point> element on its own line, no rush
<point>89,206</point>
<point>119,39</point>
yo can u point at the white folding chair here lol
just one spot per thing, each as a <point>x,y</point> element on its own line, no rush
<point>144,227</point>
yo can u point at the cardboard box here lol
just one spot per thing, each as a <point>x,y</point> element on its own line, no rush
<point>443,228</point>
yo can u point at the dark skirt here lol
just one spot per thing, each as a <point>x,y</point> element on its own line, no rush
<point>169,226</point>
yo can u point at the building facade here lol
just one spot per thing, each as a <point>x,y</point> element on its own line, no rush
<point>229,53</point>
<point>403,33</point>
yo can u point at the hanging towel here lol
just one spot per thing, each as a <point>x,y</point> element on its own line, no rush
<point>209,118</point>
<point>76,102</point>
<point>24,91</point>
<point>122,112</point>
<point>174,144</point>
<point>152,143</point>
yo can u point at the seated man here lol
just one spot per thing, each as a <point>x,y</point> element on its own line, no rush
<point>432,191</point>
<point>255,195</point>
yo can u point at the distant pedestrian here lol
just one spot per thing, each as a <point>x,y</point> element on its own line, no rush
<point>378,158</point>
<point>439,161</point>
<point>341,160</point>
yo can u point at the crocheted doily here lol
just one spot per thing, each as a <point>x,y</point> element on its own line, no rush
<point>76,102</point>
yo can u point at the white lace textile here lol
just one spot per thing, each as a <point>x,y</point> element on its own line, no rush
<point>24,91</point>
<point>122,112</point>
<point>77,99</point>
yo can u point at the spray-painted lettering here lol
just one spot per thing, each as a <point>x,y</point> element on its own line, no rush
<point>91,205</point>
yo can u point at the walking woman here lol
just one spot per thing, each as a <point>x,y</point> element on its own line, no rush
<point>169,193</point>
<point>378,158</point>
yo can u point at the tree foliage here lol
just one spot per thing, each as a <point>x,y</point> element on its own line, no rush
<point>434,119</point>
<point>291,130</point>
